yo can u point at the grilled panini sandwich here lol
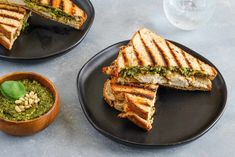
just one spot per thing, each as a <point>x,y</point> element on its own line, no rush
<point>12,21</point>
<point>134,100</point>
<point>149,58</point>
<point>62,11</point>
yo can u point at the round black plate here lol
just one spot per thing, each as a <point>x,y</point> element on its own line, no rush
<point>182,116</point>
<point>45,38</point>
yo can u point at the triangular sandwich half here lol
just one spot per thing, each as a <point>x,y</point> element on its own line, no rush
<point>135,101</point>
<point>62,11</point>
<point>12,21</point>
<point>150,58</point>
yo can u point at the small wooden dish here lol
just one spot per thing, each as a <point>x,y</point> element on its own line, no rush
<point>28,127</point>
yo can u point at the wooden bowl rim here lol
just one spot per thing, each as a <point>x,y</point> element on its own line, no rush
<point>56,96</point>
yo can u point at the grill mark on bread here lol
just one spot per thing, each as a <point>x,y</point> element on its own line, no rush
<point>72,10</point>
<point>173,55</point>
<point>12,25</point>
<point>200,66</point>
<point>161,53</point>
<point>149,53</point>
<point>137,55</point>
<point>125,58</point>
<point>183,58</point>
<point>144,104</point>
<point>132,106</point>
<point>62,5</point>
<point>143,114</point>
<point>9,17</point>
<point>148,93</point>
<point>139,100</point>
<point>186,59</point>
<point>14,10</point>
<point>150,97</point>
<point>51,2</point>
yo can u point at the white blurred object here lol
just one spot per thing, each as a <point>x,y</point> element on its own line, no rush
<point>189,14</point>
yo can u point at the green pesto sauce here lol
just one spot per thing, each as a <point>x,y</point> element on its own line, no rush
<point>57,13</point>
<point>25,26</point>
<point>163,71</point>
<point>7,106</point>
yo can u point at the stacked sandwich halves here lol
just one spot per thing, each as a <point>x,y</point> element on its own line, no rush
<point>146,62</point>
<point>14,13</point>
<point>12,20</point>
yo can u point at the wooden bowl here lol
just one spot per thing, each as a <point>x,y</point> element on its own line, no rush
<point>28,127</point>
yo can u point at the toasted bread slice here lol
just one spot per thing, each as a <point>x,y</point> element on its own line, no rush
<point>135,101</point>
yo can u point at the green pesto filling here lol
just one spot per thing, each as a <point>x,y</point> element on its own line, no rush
<point>25,25</point>
<point>163,71</point>
<point>7,106</point>
<point>56,13</point>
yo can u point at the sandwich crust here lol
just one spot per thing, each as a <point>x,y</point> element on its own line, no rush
<point>146,125</point>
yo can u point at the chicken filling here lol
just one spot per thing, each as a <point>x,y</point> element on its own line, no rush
<point>180,77</point>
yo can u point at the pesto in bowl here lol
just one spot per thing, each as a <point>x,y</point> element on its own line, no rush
<point>7,106</point>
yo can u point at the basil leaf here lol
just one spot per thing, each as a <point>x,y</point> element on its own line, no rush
<point>13,89</point>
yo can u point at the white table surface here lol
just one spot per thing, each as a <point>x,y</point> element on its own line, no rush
<point>71,135</point>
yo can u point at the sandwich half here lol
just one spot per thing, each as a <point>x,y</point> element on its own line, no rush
<point>149,58</point>
<point>12,20</point>
<point>135,101</point>
<point>62,11</point>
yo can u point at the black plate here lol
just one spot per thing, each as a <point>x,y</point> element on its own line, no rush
<point>45,38</point>
<point>182,116</point>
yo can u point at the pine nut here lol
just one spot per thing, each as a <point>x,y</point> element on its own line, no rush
<point>26,103</point>
<point>18,101</point>
<point>27,107</point>
<point>21,107</point>
<point>17,109</point>
<point>30,101</point>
